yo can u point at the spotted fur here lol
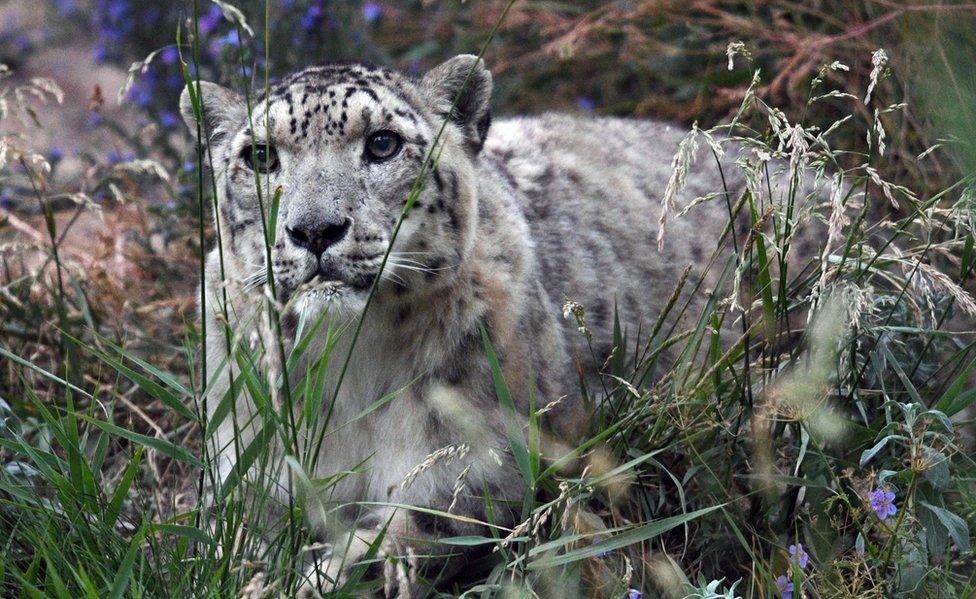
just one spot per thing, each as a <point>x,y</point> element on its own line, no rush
<point>514,218</point>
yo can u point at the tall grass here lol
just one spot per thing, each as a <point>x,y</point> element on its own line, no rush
<point>850,370</point>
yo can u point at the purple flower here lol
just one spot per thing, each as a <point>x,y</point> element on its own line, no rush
<point>585,104</point>
<point>6,202</point>
<point>66,7</point>
<point>311,17</point>
<point>141,95</point>
<point>189,165</point>
<point>798,556</point>
<point>55,154</point>
<point>209,21</point>
<point>883,503</point>
<point>169,55</point>
<point>371,11</point>
<point>94,119</point>
<point>115,158</point>
<point>784,586</point>
<point>100,53</point>
<point>231,39</point>
<point>634,594</point>
<point>168,120</point>
<point>117,9</point>
<point>23,43</point>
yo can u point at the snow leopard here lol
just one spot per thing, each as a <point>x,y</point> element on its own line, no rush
<point>447,245</point>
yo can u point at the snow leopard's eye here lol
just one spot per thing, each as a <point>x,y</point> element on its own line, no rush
<point>261,158</point>
<point>383,145</point>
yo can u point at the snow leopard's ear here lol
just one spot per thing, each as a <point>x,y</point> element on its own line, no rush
<point>221,110</point>
<point>463,83</point>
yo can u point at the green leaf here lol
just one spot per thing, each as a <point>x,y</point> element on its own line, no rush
<point>957,527</point>
<point>273,216</point>
<point>163,376</point>
<point>160,445</point>
<point>512,428</point>
<point>967,259</point>
<point>151,387</point>
<point>936,534</point>
<point>637,535</point>
<point>255,449</point>
<point>18,360</point>
<point>959,395</point>
<point>111,514</point>
<point>124,572</point>
<point>467,541</point>
<point>189,532</point>
<point>870,453</point>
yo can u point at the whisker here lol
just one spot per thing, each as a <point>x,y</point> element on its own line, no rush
<point>423,268</point>
<point>391,276</point>
<point>408,261</point>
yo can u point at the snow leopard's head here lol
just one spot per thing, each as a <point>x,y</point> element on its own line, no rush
<point>342,147</point>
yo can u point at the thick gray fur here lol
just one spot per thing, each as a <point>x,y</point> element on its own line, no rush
<point>518,216</point>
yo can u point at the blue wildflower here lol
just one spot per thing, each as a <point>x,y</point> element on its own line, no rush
<point>231,39</point>
<point>169,55</point>
<point>117,10</point>
<point>798,556</point>
<point>785,587</point>
<point>883,503</point>
<point>371,12</point>
<point>209,21</point>
<point>23,43</point>
<point>6,202</point>
<point>311,17</point>
<point>55,154</point>
<point>168,120</point>
<point>586,104</point>
<point>100,53</point>
<point>66,7</point>
<point>141,95</point>
<point>634,594</point>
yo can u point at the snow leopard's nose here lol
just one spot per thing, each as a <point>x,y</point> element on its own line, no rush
<point>320,237</point>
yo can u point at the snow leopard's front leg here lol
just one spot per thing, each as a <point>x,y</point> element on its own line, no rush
<point>400,543</point>
<point>402,550</point>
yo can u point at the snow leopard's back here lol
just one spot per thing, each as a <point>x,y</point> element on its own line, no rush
<point>591,190</point>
